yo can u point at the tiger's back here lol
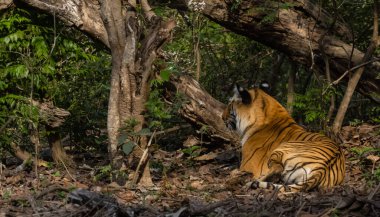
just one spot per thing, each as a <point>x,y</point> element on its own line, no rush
<point>276,149</point>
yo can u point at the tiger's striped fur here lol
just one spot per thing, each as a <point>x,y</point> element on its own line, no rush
<point>277,150</point>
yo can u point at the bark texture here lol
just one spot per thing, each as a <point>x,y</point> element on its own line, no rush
<point>295,30</point>
<point>133,48</point>
<point>200,107</point>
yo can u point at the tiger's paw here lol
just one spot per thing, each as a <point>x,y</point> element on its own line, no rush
<point>252,185</point>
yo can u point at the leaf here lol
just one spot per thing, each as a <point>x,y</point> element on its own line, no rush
<point>373,158</point>
<point>128,147</point>
<point>122,138</point>
<point>18,71</point>
<point>143,132</point>
<point>165,75</point>
<point>207,157</point>
<point>40,47</point>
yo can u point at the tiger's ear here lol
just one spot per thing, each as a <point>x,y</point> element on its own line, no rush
<point>242,94</point>
<point>264,85</point>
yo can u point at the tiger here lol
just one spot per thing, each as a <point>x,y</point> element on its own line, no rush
<point>276,150</point>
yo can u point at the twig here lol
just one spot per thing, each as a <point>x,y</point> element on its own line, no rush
<point>300,209</point>
<point>10,119</point>
<point>370,196</point>
<point>352,69</point>
<point>49,190</point>
<point>169,130</point>
<point>206,209</point>
<point>33,204</point>
<point>142,159</point>
<point>64,165</point>
<point>55,34</point>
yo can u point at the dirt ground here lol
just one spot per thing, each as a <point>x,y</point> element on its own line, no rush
<point>192,181</point>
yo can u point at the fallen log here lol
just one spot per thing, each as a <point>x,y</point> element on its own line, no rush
<point>200,107</point>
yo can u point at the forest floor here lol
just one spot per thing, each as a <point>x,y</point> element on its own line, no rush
<point>192,181</point>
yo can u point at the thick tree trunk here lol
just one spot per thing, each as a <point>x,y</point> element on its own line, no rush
<point>53,117</point>
<point>132,59</point>
<point>294,30</point>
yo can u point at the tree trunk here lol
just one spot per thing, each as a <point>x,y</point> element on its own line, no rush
<point>59,154</point>
<point>332,97</point>
<point>294,30</point>
<point>278,60</point>
<point>291,93</point>
<point>352,83</point>
<point>131,72</point>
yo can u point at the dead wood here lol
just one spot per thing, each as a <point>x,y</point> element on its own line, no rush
<point>295,31</point>
<point>197,209</point>
<point>51,115</point>
<point>101,205</point>
<point>200,108</point>
<point>49,190</point>
<point>25,156</point>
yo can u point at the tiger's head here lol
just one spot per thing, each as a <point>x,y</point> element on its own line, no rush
<point>250,110</point>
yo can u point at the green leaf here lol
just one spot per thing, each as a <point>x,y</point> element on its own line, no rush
<point>18,71</point>
<point>39,44</point>
<point>143,132</point>
<point>165,75</point>
<point>128,147</point>
<point>122,138</point>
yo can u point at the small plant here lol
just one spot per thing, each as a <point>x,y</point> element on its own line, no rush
<point>366,155</point>
<point>61,194</point>
<point>355,122</point>
<point>377,174</point>
<point>104,173</point>
<point>360,151</point>
<point>128,138</point>
<point>193,151</point>
<point>57,174</point>
<point>6,194</point>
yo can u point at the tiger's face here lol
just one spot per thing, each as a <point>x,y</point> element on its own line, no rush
<point>251,110</point>
<point>239,110</point>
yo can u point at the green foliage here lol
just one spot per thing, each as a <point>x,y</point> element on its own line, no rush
<point>6,194</point>
<point>306,104</point>
<point>193,151</point>
<point>235,5</point>
<point>159,113</point>
<point>128,137</point>
<point>105,172</point>
<point>377,174</point>
<point>360,151</point>
<point>57,174</point>
<point>38,63</point>
<point>62,194</point>
<point>363,153</point>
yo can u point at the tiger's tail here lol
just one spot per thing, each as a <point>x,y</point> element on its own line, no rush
<point>303,186</point>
